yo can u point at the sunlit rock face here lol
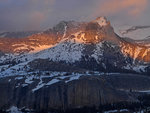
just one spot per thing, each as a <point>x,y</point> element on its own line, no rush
<point>99,30</point>
<point>136,51</point>
<point>94,33</point>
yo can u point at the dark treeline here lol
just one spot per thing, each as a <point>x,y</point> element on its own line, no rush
<point>142,104</point>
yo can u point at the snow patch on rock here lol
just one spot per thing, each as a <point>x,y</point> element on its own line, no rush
<point>14,109</point>
<point>102,21</point>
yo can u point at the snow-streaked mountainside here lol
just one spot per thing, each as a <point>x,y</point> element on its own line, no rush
<point>73,46</point>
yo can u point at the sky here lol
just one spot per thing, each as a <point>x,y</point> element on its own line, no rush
<point>26,15</point>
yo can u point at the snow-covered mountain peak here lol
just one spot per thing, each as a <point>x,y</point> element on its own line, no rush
<point>83,45</point>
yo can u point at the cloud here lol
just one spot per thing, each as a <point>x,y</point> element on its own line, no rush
<point>42,14</point>
<point>24,14</point>
<point>35,20</point>
<point>130,7</point>
<point>40,10</point>
<point>43,2</point>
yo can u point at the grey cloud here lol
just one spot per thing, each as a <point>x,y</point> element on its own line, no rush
<point>42,14</point>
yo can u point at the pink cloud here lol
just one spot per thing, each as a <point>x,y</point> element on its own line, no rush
<point>131,7</point>
<point>37,17</point>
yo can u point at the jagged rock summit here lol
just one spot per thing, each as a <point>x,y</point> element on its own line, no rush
<point>102,21</point>
<point>96,31</point>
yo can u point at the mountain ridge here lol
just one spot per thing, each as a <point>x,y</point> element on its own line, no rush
<point>78,44</point>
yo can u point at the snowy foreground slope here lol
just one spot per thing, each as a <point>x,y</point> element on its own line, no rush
<point>50,91</point>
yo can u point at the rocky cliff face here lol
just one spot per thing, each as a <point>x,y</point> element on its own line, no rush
<point>86,91</point>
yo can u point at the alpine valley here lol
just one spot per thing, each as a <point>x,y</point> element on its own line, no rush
<point>75,67</point>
